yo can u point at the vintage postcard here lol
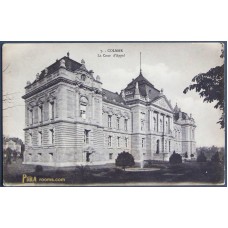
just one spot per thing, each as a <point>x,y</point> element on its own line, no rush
<point>113,114</point>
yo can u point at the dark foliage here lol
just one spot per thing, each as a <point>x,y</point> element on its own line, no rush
<point>201,158</point>
<point>39,169</point>
<point>192,155</point>
<point>124,160</point>
<point>175,158</point>
<point>186,155</point>
<point>215,157</point>
<point>210,86</point>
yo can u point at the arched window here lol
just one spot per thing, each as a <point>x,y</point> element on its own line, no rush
<point>83,107</point>
<point>83,77</point>
<point>155,124</point>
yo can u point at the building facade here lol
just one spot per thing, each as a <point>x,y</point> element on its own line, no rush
<point>70,119</point>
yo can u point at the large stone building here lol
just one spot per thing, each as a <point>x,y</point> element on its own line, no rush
<point>71,119</point>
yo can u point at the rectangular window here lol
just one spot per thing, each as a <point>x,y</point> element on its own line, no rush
<point>83,111</point>
<point>31,117</point>
<point>40,138</point>
<point>142,125</point>
<point>51,136</point>
<point>86,136</point>
<point>109,141</point>
<point>143,142</point>
<point>125,124</point>
<point>118,141</point>
<point>126,142</point>
<point>109,121</point>
<point>110,156</point>
<point>30,139</point>
<point>52,110</point>
<point>118,123</point>
<point>41,113</point>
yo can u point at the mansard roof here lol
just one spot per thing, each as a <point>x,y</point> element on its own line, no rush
<point>113,98</point>
<point>145,87</point>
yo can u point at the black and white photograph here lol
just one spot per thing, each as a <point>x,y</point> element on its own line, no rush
<point>113,114</point>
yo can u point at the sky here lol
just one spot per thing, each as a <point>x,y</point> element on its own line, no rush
<point>168,66</point>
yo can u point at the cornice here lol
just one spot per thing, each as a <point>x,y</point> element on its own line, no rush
<point>58,80</point>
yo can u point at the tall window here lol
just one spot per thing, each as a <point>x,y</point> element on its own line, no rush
<point>52,111</point>
<point>161,126</point>
<point>118,141</point>
<point>109,121</point>
<point>40,138</point>
<point>126,142</point>
<point>31,117</point>
<point>155,124</point>
<point>41,113</point>
<point>193,136</point>
<point>86,136</point>
<point>169,146</point>
<point>166,127</point>
<point>158,147</point>
<point>118,123</point>
<point>142,125</point>
<point>165,145</point>
<point>30,139</point>
<point>109,141</point>
<point>51,136</point>
<point>110,156</point>
<point>143,142</point>
<point>83,111</point>
<point>125,124</point>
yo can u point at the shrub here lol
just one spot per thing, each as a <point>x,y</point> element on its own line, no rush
<point>186,155</point>
<point>38,169</point>
<point>192,155</point>
<point>201,158</point>
<point>215,157</point>
<point>124,160</point>
<point>175,158</point>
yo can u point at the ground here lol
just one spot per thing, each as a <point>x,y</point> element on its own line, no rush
<point>188,173</point>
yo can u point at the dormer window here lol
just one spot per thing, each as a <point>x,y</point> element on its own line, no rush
<point>83,77</point>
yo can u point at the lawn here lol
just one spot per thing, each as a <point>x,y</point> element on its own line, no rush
<point>189,173</point>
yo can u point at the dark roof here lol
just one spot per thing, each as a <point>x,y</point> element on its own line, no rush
<point>71,65</point>
<point>145,87</point>
<point>141,80</point>
<point>113,96</point>
<point>183,115</point>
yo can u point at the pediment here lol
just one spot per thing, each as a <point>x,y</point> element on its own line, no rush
<point>162,102</point>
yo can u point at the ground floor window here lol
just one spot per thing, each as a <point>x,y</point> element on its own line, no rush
<point>157,146</point>
<point>110,156</point>
<point>143,142</point>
